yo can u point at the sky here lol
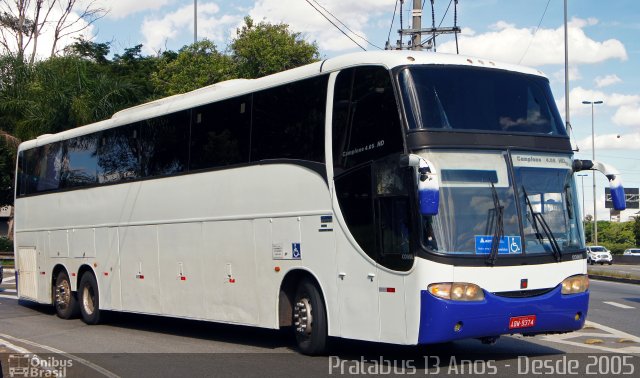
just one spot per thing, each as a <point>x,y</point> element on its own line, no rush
<point>604,50</point>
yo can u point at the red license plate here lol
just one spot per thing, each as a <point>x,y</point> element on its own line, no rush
<point>522,321</point>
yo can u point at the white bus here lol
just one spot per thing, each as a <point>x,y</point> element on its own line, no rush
<point>400,197</point>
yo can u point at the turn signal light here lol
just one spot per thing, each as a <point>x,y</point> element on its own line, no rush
<point>575,284</point>
<point>457,291</point>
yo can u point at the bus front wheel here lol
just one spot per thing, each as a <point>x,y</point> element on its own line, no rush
<point>310,319</point>
<point>89,299</point>
<point>64,299</point>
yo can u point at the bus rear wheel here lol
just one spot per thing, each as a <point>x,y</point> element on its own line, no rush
<point>310,319</point>
<point>65,300</point>
<point>89,299</point>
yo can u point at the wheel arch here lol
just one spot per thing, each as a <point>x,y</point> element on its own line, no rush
<point>84,268</point>
<point>287,292</point>
<point>59,267</point>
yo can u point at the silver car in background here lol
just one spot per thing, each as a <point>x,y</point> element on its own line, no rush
<point>632,252</point>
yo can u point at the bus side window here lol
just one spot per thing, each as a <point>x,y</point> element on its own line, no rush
<point>164,144</point>
<point>81,161</point>
<point>49,169</point>
<point>220,133</point>
<point>366,123</point>
<point>288,121</point>
<point>118,155</point>
<point>27,178</point>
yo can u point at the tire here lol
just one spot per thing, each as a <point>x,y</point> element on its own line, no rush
<point>89,299</point>
<point>610,262</point>
<point>310,319</point>
<point>64,300</point>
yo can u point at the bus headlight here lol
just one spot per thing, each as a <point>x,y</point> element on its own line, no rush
<point>575,284</point>
<point>457,291</point>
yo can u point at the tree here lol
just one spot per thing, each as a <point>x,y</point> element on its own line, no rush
<point>636,230</point>
<point>264,49</point>
<point>95,52</point>
<point>195,66</point>
<point>23,22</point>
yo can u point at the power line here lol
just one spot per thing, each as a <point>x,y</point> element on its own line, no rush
<point>336,26</point>
<point>536,31</point>
<point>442,20</point>
<point>345,26</point>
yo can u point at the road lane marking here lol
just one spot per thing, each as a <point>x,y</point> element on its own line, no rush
<point>84,362</point>
<point>13,347</point>
<point>6,296</point>
<point>612,333</point>
<point>3,291</point>
<point>620,305</point>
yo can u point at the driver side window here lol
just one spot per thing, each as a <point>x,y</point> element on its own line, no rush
<point>372,188</point>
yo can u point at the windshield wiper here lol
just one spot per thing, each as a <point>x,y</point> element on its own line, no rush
<point>538,217</point>
<point>498,231</point>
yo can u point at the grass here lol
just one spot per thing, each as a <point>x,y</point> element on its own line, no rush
<point>6,262</point>
<point>609,273</point>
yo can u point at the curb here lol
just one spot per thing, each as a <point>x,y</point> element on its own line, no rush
<point>615,279</point>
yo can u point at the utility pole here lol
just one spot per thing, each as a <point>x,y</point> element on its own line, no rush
<point>417,30</point>
<point>195,21</point>
<point>416,39</point>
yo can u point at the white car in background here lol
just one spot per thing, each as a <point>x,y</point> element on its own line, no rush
<point>632,252</point>
<point>598,254</point>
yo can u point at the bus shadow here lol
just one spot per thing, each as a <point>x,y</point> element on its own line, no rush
<point>505,348</point>
<point>279,341</point>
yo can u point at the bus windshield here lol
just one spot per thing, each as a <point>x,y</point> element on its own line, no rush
<point>482,194</point>
<point>453,98</point>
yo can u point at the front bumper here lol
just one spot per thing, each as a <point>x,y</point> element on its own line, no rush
<point>554,312</point>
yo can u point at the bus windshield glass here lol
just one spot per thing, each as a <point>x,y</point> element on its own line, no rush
<point>482,195</point>
<point>450,98</point>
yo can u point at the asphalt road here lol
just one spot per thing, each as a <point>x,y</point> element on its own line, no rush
<point>141,346</point>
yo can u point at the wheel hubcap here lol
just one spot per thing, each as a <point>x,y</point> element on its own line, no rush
<point>63,294</point>
<point>87,300</point>
<point>302,316</point>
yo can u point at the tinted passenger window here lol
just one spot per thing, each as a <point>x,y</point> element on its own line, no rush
<point>118,154</point>
<point>366,122</point>
<point>40,169</point>
<point>164,144</point>
<point>288,121</point>
<point>47,167</point>
<point>81,161</point>
<point>220,133</point>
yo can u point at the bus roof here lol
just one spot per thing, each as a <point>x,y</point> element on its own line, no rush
<point>237,87</point>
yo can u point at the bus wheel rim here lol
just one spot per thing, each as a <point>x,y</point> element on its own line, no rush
<point>87,300</point>
<point>302,316</point>
<point>63,294</point>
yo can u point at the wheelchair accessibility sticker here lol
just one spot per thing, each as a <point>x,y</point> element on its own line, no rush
<point>295,251</point>
<point>509,245</point>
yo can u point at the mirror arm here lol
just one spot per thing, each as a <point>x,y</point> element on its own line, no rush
<point>612,174</point>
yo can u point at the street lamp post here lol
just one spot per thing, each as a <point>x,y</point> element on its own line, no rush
<point>593,173</point>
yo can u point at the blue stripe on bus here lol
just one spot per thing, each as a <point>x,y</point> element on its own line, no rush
<point>554,313</point>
